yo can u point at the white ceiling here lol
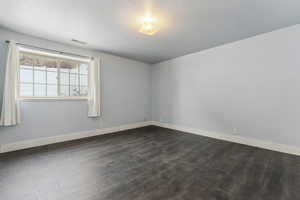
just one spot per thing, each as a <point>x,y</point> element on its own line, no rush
<point>111,25</point>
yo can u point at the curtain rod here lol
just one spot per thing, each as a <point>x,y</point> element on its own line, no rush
<point>60,52</point>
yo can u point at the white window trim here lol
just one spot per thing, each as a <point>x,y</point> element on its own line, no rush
<point>53,55</point>
<point>55,98</point>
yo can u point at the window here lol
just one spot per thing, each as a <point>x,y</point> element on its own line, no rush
<point>52,76</point>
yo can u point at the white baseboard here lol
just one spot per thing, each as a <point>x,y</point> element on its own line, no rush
<point>234,138</point>
<point>85,134</point>
<point>67,137</point>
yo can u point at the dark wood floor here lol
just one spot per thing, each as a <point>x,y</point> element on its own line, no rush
<point>149,163</point>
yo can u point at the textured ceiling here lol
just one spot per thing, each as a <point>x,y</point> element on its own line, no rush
<point>187,26</point>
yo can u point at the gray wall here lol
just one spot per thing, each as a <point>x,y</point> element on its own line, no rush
<point>125,97</point>
<point>252,86</point>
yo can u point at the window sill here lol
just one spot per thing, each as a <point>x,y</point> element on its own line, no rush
<point>53,98</point>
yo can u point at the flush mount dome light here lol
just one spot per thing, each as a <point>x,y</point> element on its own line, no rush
<point>148,25</point>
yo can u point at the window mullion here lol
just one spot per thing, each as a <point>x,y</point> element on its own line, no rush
<point>46,81</point>
<point>33,79</point>
<point>69,82</point>
<point>58,77</point>
<point>78,66</point>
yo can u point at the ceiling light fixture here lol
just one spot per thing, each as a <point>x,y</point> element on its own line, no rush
<point>148,25</point>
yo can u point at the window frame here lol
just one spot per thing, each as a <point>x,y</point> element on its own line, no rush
<point>58,57</point>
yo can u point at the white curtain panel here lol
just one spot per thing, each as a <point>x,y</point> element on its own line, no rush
<point>94,107</point>
<point>10,114</point>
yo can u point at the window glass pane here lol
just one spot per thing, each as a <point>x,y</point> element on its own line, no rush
<point>74,70</point>
<point>64,78</point>
<point>52,77</point>
<point>83,68</point>
<point>64,90</point>
<point>26,75</point>
<point>52,90</point>
<point>65,70</point>
<point>83,91</point>
<point>74,79</point>
<point>83,80</point>
<point>39,76</point>
<point>39,90</point>
<point>26,90</point>
<point>74,90</point>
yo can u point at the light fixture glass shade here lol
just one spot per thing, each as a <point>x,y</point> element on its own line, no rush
<point>148,25</point>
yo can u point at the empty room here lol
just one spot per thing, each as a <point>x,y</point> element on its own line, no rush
<point>149,100</point>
